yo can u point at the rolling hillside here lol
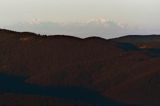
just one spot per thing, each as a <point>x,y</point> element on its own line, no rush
<point>123,70</point>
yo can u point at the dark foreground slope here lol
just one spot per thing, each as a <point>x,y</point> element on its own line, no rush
<point>62,70</point>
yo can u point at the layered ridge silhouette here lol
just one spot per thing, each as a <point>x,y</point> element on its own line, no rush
<point>125,70</point>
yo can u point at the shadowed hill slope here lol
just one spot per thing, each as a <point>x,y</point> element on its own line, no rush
<point>124,69</point>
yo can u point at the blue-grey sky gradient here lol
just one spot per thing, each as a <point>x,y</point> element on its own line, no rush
<point>143,14</point>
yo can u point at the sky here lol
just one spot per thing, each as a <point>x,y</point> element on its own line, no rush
<point>82,18</point>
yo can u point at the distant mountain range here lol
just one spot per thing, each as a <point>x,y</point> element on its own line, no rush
<point>81,72</point>
<point>99,27</point>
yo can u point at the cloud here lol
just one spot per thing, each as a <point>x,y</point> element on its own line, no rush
<point>94,27</point>
<point>35,21</point>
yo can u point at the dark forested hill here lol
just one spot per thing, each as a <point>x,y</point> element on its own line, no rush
<point>61,70</point>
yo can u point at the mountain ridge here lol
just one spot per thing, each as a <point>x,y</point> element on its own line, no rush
<point>124,69</point>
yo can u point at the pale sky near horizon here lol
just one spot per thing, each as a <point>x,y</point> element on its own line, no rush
<point>139,13</point>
